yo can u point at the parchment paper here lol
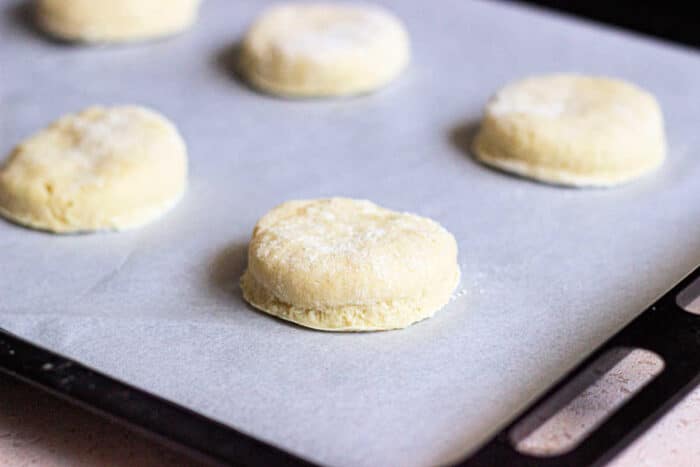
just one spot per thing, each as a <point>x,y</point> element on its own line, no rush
<point>548,273</point>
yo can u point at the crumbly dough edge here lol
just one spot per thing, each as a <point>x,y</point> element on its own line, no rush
<point>557,176</point>
<point>383,316</point>
<point>246,70</point>
<point>147,216</point>
<point>56,30</point>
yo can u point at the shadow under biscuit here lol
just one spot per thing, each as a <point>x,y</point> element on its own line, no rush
<point>462,137</point>
<point>226,269</point>
<point>225,273</point>
<point>23,14</point>
<point>227,61</point>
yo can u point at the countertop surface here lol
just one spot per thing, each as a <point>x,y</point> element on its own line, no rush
<point>36,428</point>
<point>39,429</point>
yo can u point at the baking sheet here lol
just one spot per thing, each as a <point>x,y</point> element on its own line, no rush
<point>548,273</point>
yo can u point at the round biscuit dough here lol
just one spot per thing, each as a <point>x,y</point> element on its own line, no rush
<point>100,169</point>
<point>349,265</point>
<point>572,130</point>
<point>115,20</point>
<point>324,49</point>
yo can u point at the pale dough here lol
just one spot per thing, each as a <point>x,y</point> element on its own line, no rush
<point>115,20</point>
<point>324,49</point>
<point>349,265</point>
<point>100,169</point>
<point>572,130</point>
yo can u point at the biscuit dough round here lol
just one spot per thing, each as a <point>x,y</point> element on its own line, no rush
<point>349,265</point>
<point>115,20</point>
<point>100,169</point>
<point>572,130</point>
<point>324,49</point>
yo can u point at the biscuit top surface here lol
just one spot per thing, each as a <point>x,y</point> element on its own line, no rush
<point>92,142</point>
<point>341,250</point>
<point>321,31</point>
<point>571,96</point>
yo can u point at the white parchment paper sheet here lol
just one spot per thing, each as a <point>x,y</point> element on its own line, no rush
<point>548,273</point>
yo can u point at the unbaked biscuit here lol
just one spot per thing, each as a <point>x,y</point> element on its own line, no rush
<point>100,169</point>
<point>115,20</point>
<point>324,49</point>
<point>572,130</point>
<point>349,265</point>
